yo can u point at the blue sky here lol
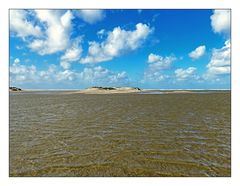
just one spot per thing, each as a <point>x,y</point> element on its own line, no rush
<point>161,49</point>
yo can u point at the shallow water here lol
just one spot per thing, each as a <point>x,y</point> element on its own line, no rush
<point>120,135</point>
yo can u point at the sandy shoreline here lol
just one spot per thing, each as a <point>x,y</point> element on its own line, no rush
<point>121,91</point>
<point>114,90</point>
<point>102,91</point>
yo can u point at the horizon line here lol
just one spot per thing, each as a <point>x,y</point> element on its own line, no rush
<point>142,89</point>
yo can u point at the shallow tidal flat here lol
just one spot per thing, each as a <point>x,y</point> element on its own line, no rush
<point>120,134</point>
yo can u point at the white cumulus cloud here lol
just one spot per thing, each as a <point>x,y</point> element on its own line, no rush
<point>156,66</point>
<point>220,61</point>
<point>16,61</point>
<point>154,76</point>
<point>184,74</point>
<point>221,21</point>
<point>57,32</point>
<point>21,26</point>
<point>90,76</point>
<point>198,52</point>
<point>72,54</point>
<point>157,62</point>
<point>91,16</point>
<point>65,75</point>
<point>47,75</point>
<point>101,33</point>
<point>117,42</point>
<point>22,73</point>
<point>98,75</point>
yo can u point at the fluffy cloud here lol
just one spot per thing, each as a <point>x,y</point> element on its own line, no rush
<point>91,16</point>
<point>57,36</point>
<point>99,74</point>
<point>198,52</point>
<point>47,75</point>
<point>155,76</point>
<point>66,75</point>
<point>21,26</point>
<point>117,42</point>
<point>221,21</point>
<point>156,65</point>
<point>101,33</point>
<point>21,74</point>
<point>184,74</point>
<point>72,54</point>
<point>220,61</point>
<point>16,61</point>
<point>157,62</point>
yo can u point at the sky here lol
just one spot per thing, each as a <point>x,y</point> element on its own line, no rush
<point>149,49</point>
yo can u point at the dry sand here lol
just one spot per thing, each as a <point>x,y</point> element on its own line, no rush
<point>125,90</point>
<point>122,90</point>
<point>118,90</point>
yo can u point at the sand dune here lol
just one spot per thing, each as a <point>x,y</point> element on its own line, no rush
<point>109,90</point>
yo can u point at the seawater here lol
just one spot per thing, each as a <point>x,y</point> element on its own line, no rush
<point>55,134</point>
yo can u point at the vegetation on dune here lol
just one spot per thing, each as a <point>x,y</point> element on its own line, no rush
<point>14,89</point>
<point>113,88</point>
<point>104,88</point>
